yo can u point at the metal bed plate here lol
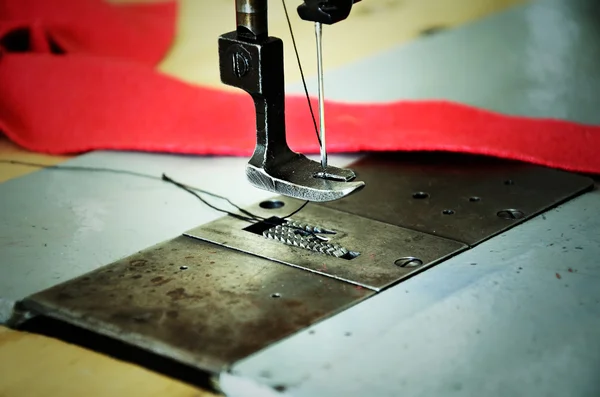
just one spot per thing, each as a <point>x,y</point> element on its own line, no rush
<point>196,303</point>
<point>518,315</point>
<point>455,196</point>
<point>380,245</point>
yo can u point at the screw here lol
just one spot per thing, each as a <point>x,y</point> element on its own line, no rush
<point>240,64</point>
<point>420,195</point>
<point>510,214</point>
<point>408,261</point>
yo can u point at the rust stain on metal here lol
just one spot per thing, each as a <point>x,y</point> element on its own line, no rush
<point>180,293</point>
<point>219,310</point>
<point>160,280</point>
<point>138,262</point>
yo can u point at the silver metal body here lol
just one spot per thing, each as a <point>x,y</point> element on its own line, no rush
<point>294,175</point>
<point>522,321</point>
<point>319,39</point>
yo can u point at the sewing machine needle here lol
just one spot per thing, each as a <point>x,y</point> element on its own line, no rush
<point>319,35</point>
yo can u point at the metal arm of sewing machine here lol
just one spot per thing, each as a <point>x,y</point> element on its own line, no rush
<point>251,60</point>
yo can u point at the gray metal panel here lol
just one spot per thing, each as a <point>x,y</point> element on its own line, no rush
<point>518,315</point>
<point>540,60</point>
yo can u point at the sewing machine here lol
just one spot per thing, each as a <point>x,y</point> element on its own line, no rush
<point>444,274</point>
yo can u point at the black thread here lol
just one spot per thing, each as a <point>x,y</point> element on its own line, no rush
<point>140,175</point>
<point>250,217</point>
<point>298,210</point>
<point>312,113</point>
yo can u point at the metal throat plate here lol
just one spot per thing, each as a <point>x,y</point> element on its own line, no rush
<point>383,253</point>
<point>463,198</point>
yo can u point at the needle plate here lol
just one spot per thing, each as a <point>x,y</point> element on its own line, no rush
<point>382,251</point>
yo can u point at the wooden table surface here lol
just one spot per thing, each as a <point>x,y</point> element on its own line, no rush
<point>34,365</point>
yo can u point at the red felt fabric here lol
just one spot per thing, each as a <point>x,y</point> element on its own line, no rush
<point>103,93</point>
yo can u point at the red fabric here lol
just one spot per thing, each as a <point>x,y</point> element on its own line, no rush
<point>141,32</point>
<point>105,94</point>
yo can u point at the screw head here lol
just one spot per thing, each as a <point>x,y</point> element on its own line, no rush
<point>408,261</point>
<point>510,214</point>
<point>240,63</point>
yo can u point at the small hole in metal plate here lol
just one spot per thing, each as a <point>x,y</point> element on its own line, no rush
<point>448,212</point>
<point>183,267</point>
<point>272,204</point>
<point>276,295</point>
<point>474,199</point>
<point>509,182</point>
<point>408,261</point>
<point>510,213</point>
<point>420,195</point>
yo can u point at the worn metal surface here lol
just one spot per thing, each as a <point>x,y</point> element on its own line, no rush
<point>380,245</point>
<point>56,225</point>
<point>466,199</point>
<point>518,315</point>
<point>194,302</point>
